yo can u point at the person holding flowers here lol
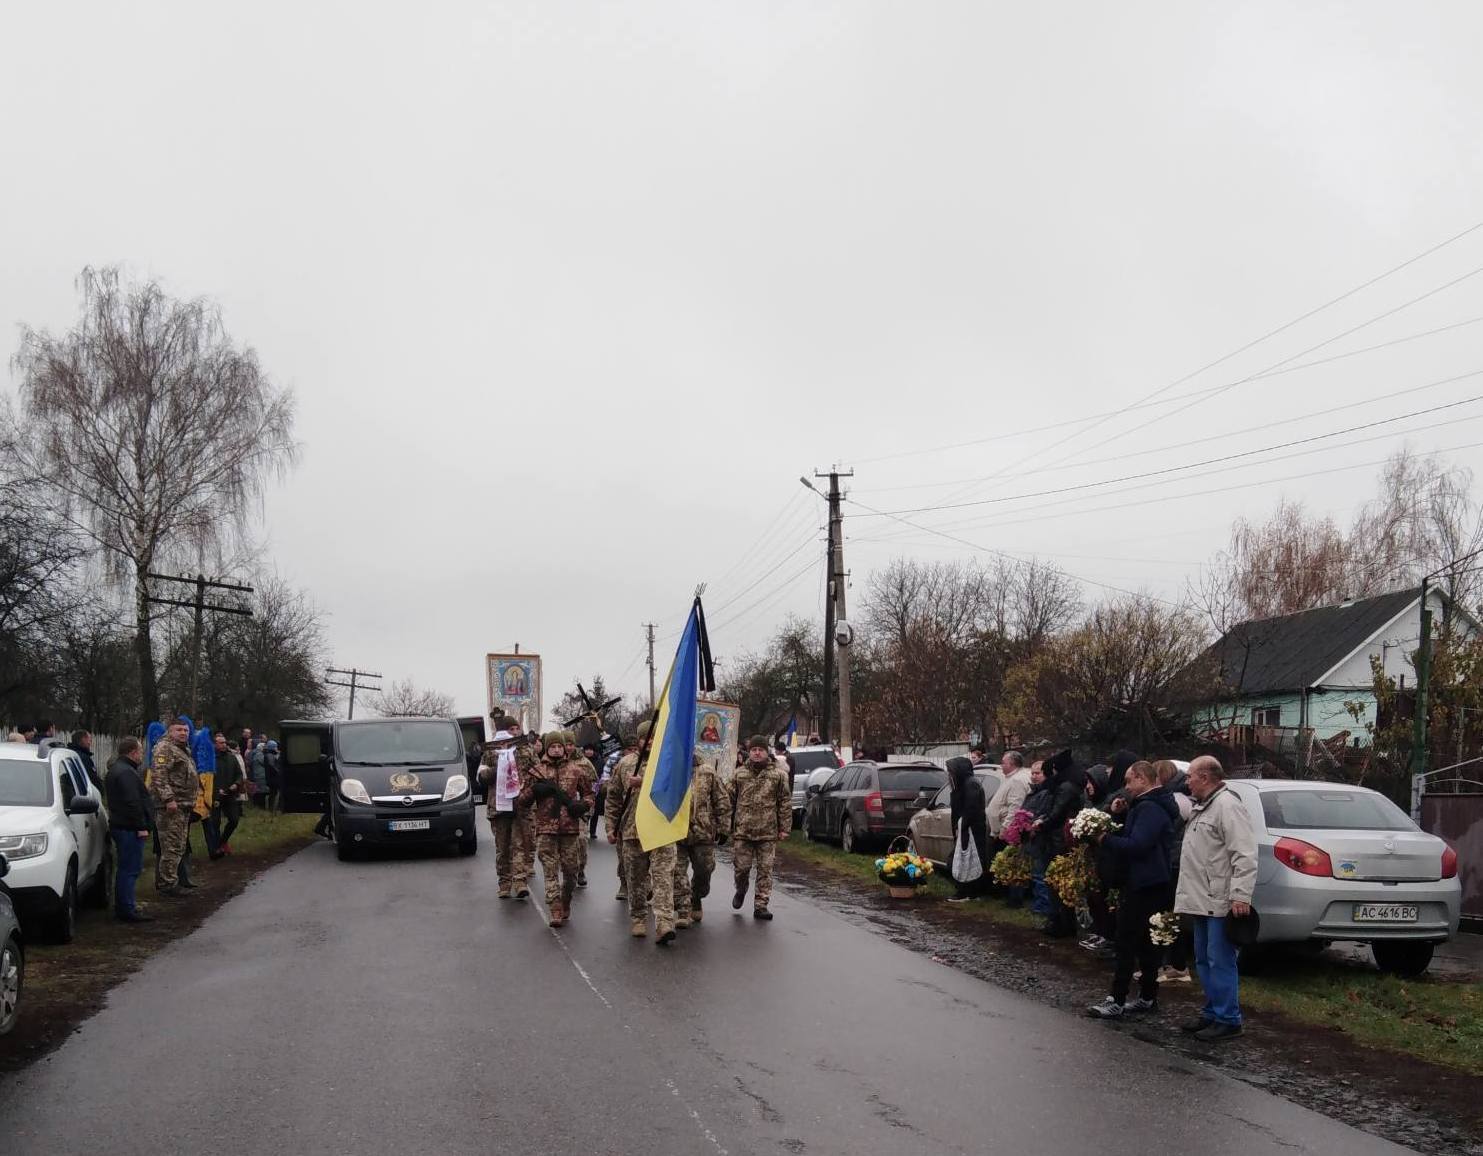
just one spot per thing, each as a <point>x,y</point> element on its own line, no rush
<point>1064,791</point>
<point>1143,849</point>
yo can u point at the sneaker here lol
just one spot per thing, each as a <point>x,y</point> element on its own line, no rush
<point>739,898</point>
<point>1218,1033</point>
<point>1173,975</point>
<point>1141,1007</point>
<point>1092,942</point>
<point>1194,1027</point>
<point>1108,1009</point>
<point>957,899</point>
<point>761,913</point>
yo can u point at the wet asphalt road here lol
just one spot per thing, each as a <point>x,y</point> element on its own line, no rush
<point>398,1007</point>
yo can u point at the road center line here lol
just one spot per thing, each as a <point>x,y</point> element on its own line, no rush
<point>572,959</point>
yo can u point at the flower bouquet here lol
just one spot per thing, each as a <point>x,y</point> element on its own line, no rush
<point>1164,929</point>
<point>1072,876</point>
<point>1011,867</point>
<point>1089,823</point>
<point>903,871</point>
<point>1017,830</point>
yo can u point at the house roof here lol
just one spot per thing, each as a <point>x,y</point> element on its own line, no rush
<point>1294,651</point>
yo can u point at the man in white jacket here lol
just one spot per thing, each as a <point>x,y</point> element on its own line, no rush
<point>1217,873</point>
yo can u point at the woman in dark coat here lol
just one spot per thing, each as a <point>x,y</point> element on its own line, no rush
<point>970,818</point>
<point>1067,786</point>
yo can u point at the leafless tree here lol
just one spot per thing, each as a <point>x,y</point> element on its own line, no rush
<point>156,430</point>
<point>405,699</point>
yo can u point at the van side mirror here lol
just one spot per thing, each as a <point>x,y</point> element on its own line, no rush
<point>83,805</point>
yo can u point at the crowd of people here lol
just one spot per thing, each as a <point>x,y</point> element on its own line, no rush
<point>1172,869</point>
<point>546,797</point>
<point>157,795</point>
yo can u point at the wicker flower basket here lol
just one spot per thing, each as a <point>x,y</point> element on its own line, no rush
<point>897,887</point>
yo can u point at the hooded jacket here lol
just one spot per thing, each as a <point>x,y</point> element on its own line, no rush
<point>1121,761</point>
<point>1066,790</point>
<point>968,806</point>
<point>1143,846</point>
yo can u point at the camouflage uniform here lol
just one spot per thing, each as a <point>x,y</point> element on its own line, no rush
<point>641,869</point>
<point>761,814</point>
<point>172,779</point>
<point>710,816</point>
<point>586,764</point>
<point>514,831</point>
<point>559,834</point>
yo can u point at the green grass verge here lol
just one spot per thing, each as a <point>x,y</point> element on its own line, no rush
<point>1437,1020</point>
<point>260,832</point>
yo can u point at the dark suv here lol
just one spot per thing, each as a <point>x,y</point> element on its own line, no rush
<point>867,804</point>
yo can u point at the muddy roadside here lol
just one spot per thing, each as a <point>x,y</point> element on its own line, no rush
<point>1421,1105</point>
<point>67,983</point>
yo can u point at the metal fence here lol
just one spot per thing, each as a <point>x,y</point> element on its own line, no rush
<point>1458,818</point>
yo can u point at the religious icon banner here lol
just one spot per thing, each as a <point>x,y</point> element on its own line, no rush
<point>514,682</point>
<point>717,737</point>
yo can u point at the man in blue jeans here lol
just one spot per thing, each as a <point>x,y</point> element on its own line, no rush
<point>130,817</point>
<point>1217,872</point>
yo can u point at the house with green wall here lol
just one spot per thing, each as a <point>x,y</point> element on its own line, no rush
<point>1304,670</point>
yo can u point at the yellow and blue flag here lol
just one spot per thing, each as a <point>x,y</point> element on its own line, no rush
<point>663,814</point>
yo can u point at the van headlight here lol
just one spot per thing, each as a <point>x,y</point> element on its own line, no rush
<point>456,788</point>
<point>355,791</point>
<point>15,847</point>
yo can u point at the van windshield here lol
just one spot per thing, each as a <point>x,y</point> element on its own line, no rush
<point>25,783</point>
<point>397,743</point>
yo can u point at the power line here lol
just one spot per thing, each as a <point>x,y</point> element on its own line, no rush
<point>1303,353</point>
<point>1208,462</point>
<point>1213,389</point>
<point>773,593</point>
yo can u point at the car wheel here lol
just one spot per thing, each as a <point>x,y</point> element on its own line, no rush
<point>12,975</point>
<point>98,892</point>
<point>847,841</point>
<point>1407,958</point>
<point>62,927</point>
<point>343,850</point>
<point>808,831</point>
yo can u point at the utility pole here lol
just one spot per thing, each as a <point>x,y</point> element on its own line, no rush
<point>653,692</point>
<point>834,611</point>
<point>353,685</point>
<point>843,634</point>
<point>200,606</point>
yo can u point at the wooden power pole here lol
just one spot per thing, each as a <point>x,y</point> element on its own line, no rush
<point>353,685</point>
<point>200,606</point>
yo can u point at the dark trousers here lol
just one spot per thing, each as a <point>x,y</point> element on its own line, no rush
<point>231,810</point>
<point>1183,948</point>
<point>211,830</point>
<point>602,794</point>
<point>129,853</point>
<point>1135,943</point>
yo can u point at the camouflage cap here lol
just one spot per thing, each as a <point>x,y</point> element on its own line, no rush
<point>553,739</point>
<point>569,738</point>
<point>646,728</point>
<point>759,741</point>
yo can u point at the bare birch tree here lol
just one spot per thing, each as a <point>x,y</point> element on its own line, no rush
<point>155,429</point>
<point>405,699</point>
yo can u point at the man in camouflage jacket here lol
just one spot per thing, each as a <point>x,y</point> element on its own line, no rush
<point>514,830</point>
<point>710,820</point>
<point>559,791</point>
<point>761,815</point>
<point>173,786</point>
<point>570,739</point>
<point>641,869</point>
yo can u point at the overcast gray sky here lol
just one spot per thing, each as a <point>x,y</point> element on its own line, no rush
<point>570,294</point>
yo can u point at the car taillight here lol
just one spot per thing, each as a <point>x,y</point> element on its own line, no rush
<point>1449,862</point>
<point>873,803</point>
<point>1303,857</point>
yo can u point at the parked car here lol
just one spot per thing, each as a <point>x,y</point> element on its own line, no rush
<point>1336,862</point>
<point>54,834</point>
<point>807,760</point>
<point>931,828</point>
<point>869,804</point>
<point>12,958</point>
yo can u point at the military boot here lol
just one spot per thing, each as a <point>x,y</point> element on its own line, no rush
<point>639,929</point>
<point>666,936</point>
<point>682,922</point>
<point>696,914</point>
<point>558,914</point>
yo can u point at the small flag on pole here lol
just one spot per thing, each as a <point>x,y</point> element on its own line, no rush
<point>663,814</point>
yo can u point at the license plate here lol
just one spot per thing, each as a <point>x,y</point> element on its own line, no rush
<point>409,825</point>
<point>1386,913</point>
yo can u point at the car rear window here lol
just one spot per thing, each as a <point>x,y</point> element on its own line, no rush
<point>912,779</point>
<point>1337,810</point>
<point>25,783</point>
<point>812,760</point>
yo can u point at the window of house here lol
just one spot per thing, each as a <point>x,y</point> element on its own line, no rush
<point>1266,716</point>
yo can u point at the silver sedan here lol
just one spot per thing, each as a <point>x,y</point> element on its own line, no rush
<point>1336,862</point>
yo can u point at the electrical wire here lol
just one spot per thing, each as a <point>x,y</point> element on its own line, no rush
<point>786,584</point>
<point>1213,389</point>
